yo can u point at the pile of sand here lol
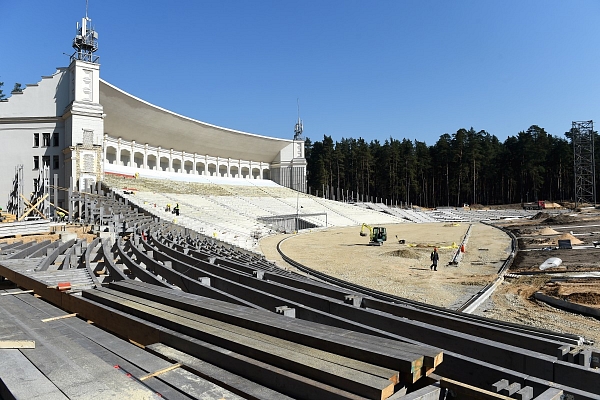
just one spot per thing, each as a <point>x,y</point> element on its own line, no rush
<point>560,219</point>
<point>567,236</point>
<point>547,231</point>
<point>541,215</point>
<point>526,231</point>
<point>552,205</point>
<point>404,253</point>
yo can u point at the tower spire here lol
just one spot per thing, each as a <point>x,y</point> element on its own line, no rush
<point>86,40</point>
<point>298,128</point>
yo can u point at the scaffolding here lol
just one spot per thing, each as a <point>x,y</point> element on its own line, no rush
<point>583,158</point>
<point>15,197</point>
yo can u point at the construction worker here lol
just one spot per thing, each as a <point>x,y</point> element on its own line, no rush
<point>176,209</point>
<point>435,257</point>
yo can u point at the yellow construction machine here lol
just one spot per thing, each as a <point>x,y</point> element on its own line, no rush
<point>377,234</point>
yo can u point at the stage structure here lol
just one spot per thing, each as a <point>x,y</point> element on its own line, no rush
<point>82,127</point>
<point>584,164</point>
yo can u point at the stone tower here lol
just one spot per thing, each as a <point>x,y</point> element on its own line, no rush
<point>84,116</point>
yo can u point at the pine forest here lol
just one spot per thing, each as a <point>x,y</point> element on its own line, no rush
<point>467,167</point>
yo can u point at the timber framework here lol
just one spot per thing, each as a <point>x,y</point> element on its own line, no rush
<point>150,309</point>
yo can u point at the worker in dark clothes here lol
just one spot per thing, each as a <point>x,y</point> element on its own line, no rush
<point>435,257</point>
<point>176,209</point>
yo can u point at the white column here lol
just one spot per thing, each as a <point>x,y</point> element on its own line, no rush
<point>104,146</point>
<point>158,158</point>
<point>118,151</point>
<point>145,162</point>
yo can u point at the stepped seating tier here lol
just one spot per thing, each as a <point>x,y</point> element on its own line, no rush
<point>233,210</point>
<point>232,213</point>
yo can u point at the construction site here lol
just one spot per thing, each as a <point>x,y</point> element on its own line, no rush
<point>147,255</point>
<point>127,299</point>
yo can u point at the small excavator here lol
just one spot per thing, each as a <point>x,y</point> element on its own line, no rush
<point>377,234</point>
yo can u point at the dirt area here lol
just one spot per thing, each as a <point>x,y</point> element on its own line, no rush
<point>584,292</point>
<point>538,241</point>
<point>403,270</point>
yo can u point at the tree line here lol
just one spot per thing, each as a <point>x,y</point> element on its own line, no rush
<point>16,89</point>
<point>468,166</point>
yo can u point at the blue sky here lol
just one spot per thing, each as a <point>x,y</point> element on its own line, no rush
<point>371,69</point>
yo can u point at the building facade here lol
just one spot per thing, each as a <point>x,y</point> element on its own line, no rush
<point>80,127</point>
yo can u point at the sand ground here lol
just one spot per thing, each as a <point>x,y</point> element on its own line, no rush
<point>402,269</point>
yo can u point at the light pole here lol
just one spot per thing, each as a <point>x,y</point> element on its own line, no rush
<point>298,129</point>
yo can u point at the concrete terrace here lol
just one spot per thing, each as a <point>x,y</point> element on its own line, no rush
<point>234,210</point>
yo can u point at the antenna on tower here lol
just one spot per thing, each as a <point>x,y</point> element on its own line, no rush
<point>86,40</point>
<point>298,128</point>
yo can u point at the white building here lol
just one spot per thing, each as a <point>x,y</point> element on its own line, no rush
<point>81,127</point>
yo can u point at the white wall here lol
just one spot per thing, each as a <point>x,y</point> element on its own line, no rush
<point>48,98</point>
<point>18,148</point>
<point>38,109</point>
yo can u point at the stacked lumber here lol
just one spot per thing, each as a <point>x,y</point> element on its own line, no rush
<point>212,321</point>
<point>72,359</point>
<point>296,358</point>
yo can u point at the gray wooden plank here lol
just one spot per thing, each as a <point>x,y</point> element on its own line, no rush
<point>20,379</point>
<point>430,392</point>
<point>75,371</point>
<point>177,384</point>
<point>250,390</point>
<point>333,374</point>
<point>360,346</point>
<point>147,332</point>
<point>278,379</point>
<point>371,369</point>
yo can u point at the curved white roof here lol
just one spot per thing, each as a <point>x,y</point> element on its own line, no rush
<point>131,118</point>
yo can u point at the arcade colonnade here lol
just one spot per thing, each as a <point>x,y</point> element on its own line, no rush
<point>143,156</point>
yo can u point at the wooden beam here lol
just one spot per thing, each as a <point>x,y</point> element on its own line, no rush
<point>59,317</point>
<point>17,344</point>
<point>464,391</point>
<point>33,207</point>
<point>370,368</point>
<point>160,371</point>
<point>358,346</point>
<point>335,375</point>
<point>275,378</point>
<point>148,333</point>
<point>14,293</point>
<point>21,379</point>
